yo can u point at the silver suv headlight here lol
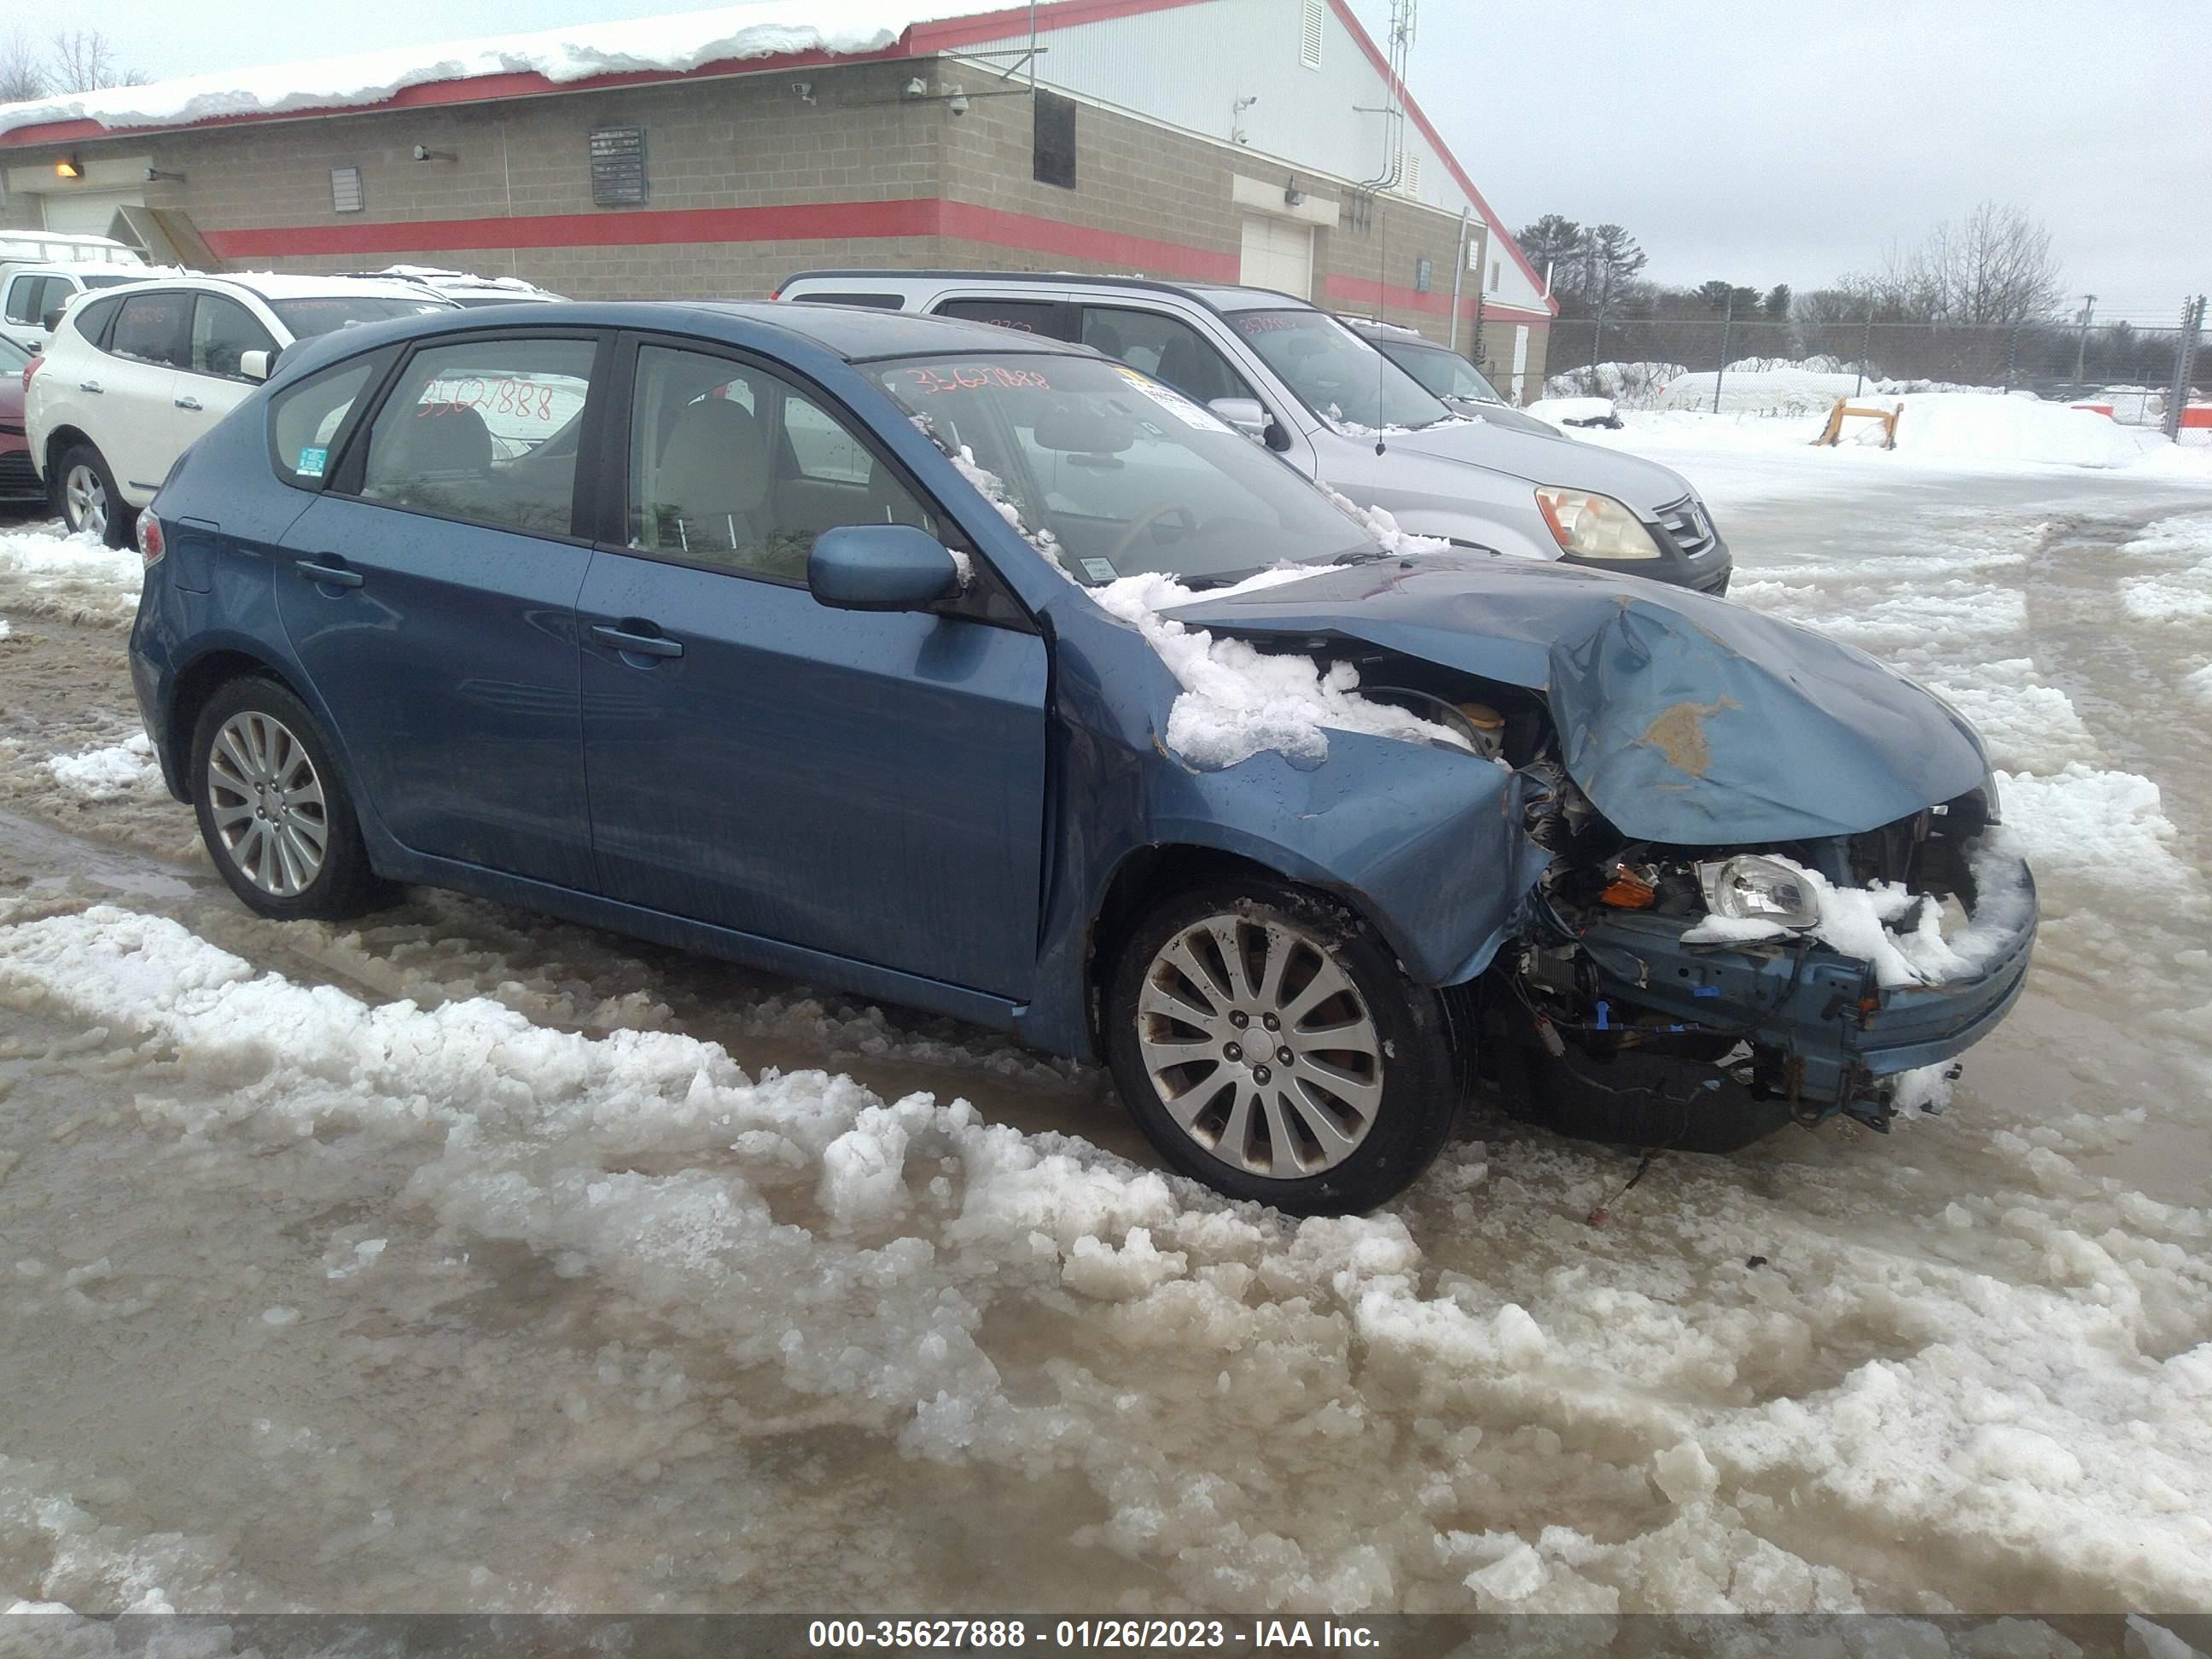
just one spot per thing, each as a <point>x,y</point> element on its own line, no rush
<point>1749,888</point>
<point>1594,527</point>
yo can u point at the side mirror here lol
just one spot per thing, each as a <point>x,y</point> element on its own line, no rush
<point>879,567</point>
<point>1246,415</point>
<point>53,319</point>
<point>256,364</point>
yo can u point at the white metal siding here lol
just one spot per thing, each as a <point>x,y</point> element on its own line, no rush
<point>1187,67</point>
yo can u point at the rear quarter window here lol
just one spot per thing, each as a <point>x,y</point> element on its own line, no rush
<point>309,422</point>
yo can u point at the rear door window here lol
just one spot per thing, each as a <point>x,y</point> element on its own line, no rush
<point>155,328</point>
<point>1166,348</point>
<point>1046,317</point>
<point>25,303</point>
<point>486,431</point>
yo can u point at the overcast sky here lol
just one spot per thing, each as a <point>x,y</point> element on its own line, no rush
<point>1762,141</point>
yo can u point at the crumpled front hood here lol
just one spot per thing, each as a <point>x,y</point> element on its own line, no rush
<point>1539,458</point>
<point>1685,719</point>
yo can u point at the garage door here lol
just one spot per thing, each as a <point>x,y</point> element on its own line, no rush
<point>89,212</point>
<point>1278,254</point>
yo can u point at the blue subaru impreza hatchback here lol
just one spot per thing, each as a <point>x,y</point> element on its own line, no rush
<point>803,635</point>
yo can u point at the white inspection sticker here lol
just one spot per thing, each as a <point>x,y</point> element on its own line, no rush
<point>1174,403</point>
<point>1100,570</point>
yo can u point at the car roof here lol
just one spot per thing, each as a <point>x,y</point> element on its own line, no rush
<point>285,285</point>
<point>854,333</point>
<point>1221,296</point>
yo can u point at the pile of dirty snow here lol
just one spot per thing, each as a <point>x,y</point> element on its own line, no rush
<point>46,571</point>
<point>1961,426</point>
<point>125,768</point>
<point>1561,411</point>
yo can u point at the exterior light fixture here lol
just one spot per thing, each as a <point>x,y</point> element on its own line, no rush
<point>1292,194</point>
<point>154,175</point>
<point>422,154</point>
<point>68,168</point>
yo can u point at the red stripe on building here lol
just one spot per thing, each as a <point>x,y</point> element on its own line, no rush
<point>803,221</point>
<point>1025,231</point>
<point>806,222</point>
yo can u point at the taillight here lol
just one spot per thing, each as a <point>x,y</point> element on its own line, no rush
<point>150,546</point>
<point>37,362</point>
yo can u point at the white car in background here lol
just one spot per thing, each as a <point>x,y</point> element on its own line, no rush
<point>464,288</point>
<point>133,376</point>
<point>33,297</point>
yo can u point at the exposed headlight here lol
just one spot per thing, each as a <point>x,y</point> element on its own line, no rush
<point>1594,527</point>
<point>1754,888</point>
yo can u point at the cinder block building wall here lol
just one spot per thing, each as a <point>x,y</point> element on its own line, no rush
<point>750,176</point>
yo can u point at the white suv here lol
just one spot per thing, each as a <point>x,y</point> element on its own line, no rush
<point>132,376</point>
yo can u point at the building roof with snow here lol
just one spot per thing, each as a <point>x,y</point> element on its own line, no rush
<point>1287,97</point>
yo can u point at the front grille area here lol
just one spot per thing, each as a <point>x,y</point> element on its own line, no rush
<point>1687,526</point>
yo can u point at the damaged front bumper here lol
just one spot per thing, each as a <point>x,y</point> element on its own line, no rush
<point>1828,1035</point>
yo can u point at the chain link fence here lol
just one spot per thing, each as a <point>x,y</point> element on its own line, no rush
<point>1672,362</point>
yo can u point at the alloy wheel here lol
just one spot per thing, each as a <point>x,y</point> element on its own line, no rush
<point>85,498</point>
<point>267,804</point>
<point>1259,1046</point>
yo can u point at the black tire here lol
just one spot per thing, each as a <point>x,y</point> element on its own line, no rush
<point>342,885</point>
<point>118,519</point>
<point>1414,1084</point>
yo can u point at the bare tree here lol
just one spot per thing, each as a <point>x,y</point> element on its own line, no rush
<point>1996,267</point>
<point>1610,260</point>
<point>85,60</point>
<point>22,72</point>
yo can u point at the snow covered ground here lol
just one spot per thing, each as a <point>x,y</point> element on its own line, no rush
<point>461,1258</point>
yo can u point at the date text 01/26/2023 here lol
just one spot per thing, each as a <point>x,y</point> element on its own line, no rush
<point>1087,1634</point>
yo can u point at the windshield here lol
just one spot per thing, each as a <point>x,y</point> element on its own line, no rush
<point>14,354</point>
<point>1444,373</point>
<point>1112,474</point>
<point>1335,373</point>
<point>326,311</point>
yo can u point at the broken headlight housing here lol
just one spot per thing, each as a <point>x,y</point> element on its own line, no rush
<point>1749,888</point>
<point>1595,526</point>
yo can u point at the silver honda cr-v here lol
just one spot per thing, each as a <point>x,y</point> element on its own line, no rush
<point>1336,409</point>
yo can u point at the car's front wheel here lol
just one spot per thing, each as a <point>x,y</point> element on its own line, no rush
<point>1268,1043</point>
<point>90,503</point>
<point>274,811</point>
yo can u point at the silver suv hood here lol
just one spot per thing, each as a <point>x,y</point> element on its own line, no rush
<point>1542,459</point>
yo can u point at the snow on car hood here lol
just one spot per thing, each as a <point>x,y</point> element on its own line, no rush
<point>1539,457</point>
<point>1684,719</point>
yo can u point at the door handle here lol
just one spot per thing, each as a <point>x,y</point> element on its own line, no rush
<point>642,644</point>
<point>188,403</point>
<point>87,385</point>
<point>329,575</point>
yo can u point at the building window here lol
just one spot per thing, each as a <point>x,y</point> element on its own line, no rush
<point>618,167</point>
<point>345,190</point>
<point>1055,140</point>
<point>1310,35</point>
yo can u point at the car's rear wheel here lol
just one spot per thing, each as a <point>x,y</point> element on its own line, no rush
<point>1268,1043</point>
<point>90,503</point>
<point>273,810</point>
